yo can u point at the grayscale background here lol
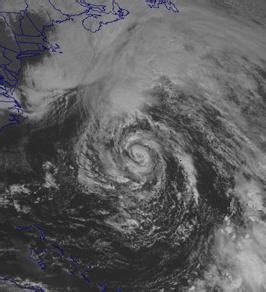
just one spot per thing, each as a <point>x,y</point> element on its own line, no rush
<point>142,152</point>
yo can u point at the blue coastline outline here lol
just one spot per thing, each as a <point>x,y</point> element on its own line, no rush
<point>168,4</point>
<point>36,255</point>
<point>88,11</point>
<point>9,78</point>
<point>26,46</point>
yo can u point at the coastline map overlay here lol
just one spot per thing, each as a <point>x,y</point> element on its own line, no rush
<point>132,146</point>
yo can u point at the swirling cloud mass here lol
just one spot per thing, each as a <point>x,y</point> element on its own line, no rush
<point>143,151</point>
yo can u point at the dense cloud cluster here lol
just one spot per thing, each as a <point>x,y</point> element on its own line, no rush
<point>143,155</point>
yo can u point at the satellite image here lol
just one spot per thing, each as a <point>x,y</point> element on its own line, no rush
<point>133,145</point>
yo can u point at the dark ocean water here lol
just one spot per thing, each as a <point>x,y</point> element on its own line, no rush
<point>147,219</point>
<point>132,201</point>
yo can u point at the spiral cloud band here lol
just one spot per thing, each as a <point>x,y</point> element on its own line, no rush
<point>142,158</point>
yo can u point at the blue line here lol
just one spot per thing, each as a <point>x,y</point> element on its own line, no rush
<point>93,11</point>
<point>169,5</point>
<point>75,266</point>
<point>90,11</point>
<point>10,80</point>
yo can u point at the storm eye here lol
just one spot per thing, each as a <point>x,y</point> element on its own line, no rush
<point>168,193</point>
<point>140,155</point>
<point>149,191</point>
<point>140,166</point>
